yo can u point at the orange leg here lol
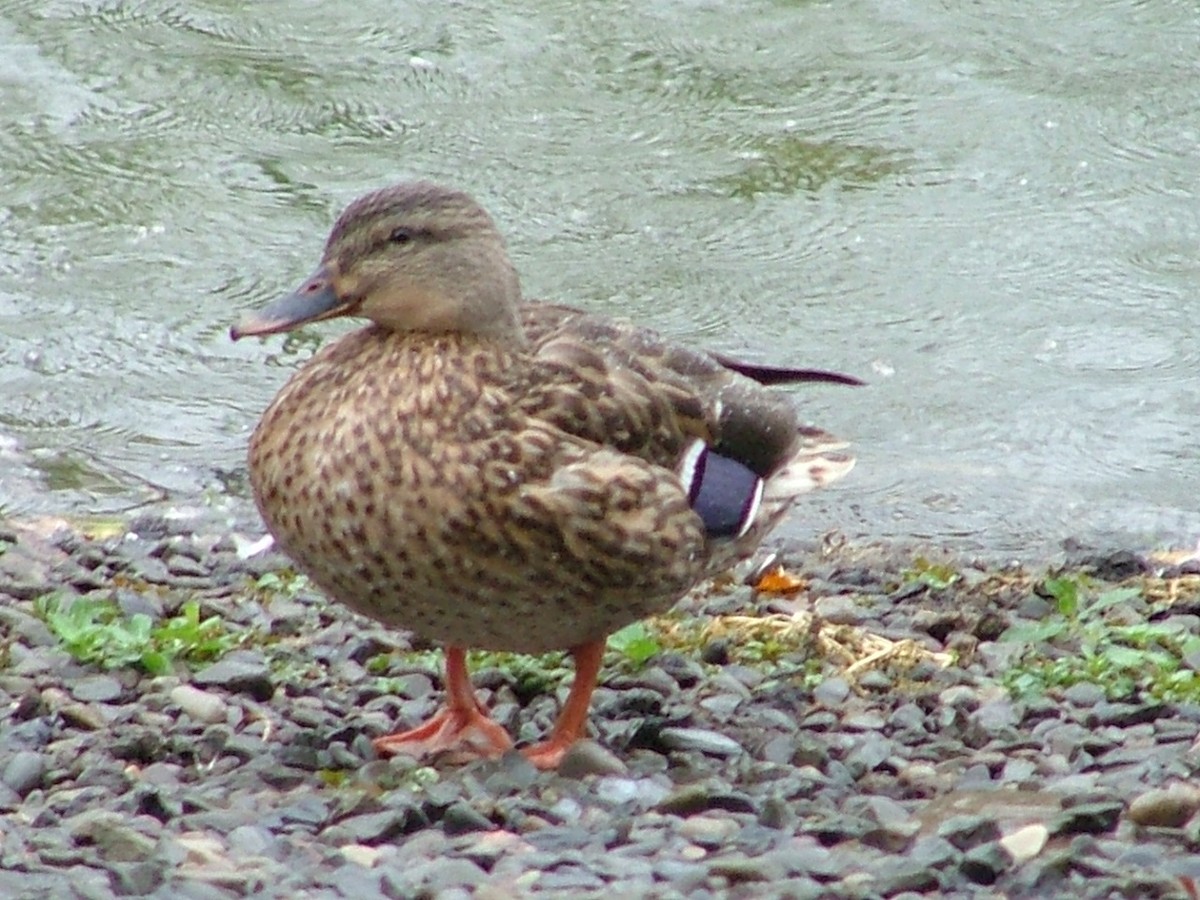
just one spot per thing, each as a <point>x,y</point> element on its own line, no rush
<point>572,721</point>
<point>462,726</point>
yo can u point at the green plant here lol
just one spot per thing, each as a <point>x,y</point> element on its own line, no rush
<point>285,583</point>
<point>96,631</point>
<point>1081,641</point>
<point>935,576</point>
<point>636,643</point>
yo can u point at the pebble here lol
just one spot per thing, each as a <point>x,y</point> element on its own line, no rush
<point>702,740</point>
<point>201,706</point>
<point>832,692</point>
<point>24,771</point>
<point>590,758</point>
<point>1169,807</point>
<point>246,672</point>
<point>1084,694</point>
<point>1025,843</point>
<point>112,835</point>
<point>985,863</point>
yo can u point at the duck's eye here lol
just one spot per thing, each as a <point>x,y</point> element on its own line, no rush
<point>400,235</point>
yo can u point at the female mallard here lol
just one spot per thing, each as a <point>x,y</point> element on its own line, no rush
<point>521,477</point>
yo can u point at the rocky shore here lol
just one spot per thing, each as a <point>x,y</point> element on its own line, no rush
<point>867,727</point>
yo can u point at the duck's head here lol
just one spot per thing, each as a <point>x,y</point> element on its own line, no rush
<point>411,257</point>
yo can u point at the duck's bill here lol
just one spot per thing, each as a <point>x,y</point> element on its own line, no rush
<point>315,300</point>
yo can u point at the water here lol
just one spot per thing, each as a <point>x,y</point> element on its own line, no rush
<point>990,215</point>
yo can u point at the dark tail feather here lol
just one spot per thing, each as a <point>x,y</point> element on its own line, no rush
<point>783,374</point>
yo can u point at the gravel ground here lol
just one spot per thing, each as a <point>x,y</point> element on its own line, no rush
<point>878,756</point>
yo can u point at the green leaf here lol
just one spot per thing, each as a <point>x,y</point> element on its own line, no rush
<point>1122,657</point>
<point>635,642</point>
<point>1112,598</point>
<point>1035,632</point>
<point>1065,592</point>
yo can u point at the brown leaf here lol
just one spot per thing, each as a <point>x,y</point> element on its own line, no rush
<point>779,581</point>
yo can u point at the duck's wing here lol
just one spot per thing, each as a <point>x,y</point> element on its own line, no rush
<point>650,396</point>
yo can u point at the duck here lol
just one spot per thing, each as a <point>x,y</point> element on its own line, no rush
<point>490,472</point>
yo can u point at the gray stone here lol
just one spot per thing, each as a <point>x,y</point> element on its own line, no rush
<point>96,689</point>
<point>832,691</point>
<point>88,717</point>
<point>933,851</point>
<point>180,565</point>
<point>437,874</point>
<point>863,720</point>
<point>985,863</point>
<point>25,771</point>
<point>871,751</point>
<point>586,757</point>
<point>710,743</point>
<point>1088,818</point>
<point>462,818</point>
<point>905,875</point>
<point>112,835</point>
<point>908,717</point>
<point>243,672</point>
<point>696,798</point>
<point>1123,715</point>
<point>968,831</point>
<point>738,868</point>
<point>839,609</point>
<point>138,879</point>
<point>1084,694</point>
<point>887,811</point>
<point>367,828</point>
<point>996,717</point>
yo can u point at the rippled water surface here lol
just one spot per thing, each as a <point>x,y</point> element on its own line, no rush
<point>989,212</point>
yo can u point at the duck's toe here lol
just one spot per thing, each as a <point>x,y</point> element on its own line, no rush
<point>462,733</point>
<point>462,730</point>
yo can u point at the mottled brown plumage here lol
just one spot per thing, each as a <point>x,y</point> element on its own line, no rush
<point>488,473</point>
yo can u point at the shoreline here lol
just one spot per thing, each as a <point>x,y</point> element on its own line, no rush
<point>864,734</point>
